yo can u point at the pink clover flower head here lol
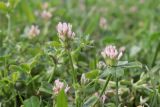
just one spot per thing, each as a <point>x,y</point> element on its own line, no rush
<point>46,15</point>
<point>33,31</point>
<point>103,23</point>
<point>112,53</point>
<point>59,86</point>
<point>65,31</point>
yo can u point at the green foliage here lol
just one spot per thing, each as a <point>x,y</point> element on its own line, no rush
<point>92,74</point>
<point>29,65</point>
<point>46,87</point>
<point>61,99</point>
<point>32,102</point>
<point>90,102</point>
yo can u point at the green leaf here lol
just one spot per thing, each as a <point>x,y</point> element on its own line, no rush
<point>92,24</point>
<point>91,101</point>
<point>110,105</point>
<point>54,44</point>
<point>61,99</point>
<point>119,72</point>
<point>155,37</point>
<point>32,62</point>
<point>15,76</point>
<point>27,10</point>
<point>92,74</point>
<point>21,68</point>
<point>32,79</point>
<point>3,7</point>
<point>4,59</point>
<point>46,87</point>
<point>122,62</point>
<point>32,102</point>
<point>15,68</point>
<point>135,50</point>
<point>13,3</point>
<point>132,65</point>
<point>5,80</point>
<point>26,68</point>
<point>107,72</point>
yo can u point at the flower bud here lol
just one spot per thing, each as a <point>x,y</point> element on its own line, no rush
<point>101,65</point>
<point>84,80</point>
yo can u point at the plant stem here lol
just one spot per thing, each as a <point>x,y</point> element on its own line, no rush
<point>53,103</point>
<point>15,103</point>
<point>117,98</point>
<point>156,54</point>
<point>20,98</point>
<point>72,67</point>
<point>51,77</point>
<point>9,25</point>
<point>77,99</point>
<point>74,75</point>
<point>104,88</point>
<point>33,83</point>
<point>106,83</point>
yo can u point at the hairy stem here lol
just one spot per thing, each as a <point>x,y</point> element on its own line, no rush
<point>72,67</point>
<point>105,86</point>
<point>20,97</point>
<point>74,75</point>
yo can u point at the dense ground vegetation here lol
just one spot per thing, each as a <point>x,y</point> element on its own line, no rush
<point>80,53</point>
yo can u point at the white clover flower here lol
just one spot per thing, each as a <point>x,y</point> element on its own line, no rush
<point>65,31</point>
<point>59,86</point>
<point>46,15</point>
<point>33,31</point>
